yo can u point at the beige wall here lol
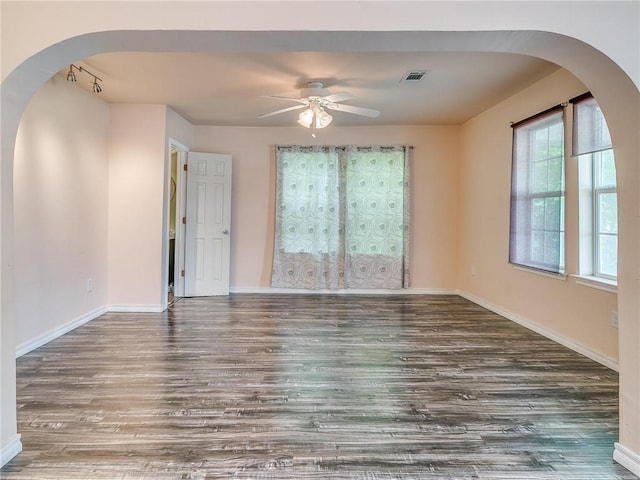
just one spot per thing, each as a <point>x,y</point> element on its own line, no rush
<point>139,172</point>
<point>178,132</point>
<point>178,129</point>
<point>580,314</point>
<point>82,216</point>
<point>137,151</point>
<point>434,173</point>
<point>60,194</point>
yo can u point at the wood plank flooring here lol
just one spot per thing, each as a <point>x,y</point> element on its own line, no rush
<point>313,387</point>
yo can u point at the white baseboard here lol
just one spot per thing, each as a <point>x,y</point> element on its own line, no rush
<point>627,458</point>
<point>73,324</point>
<point>10,449</point>
<point>58,332</point>
<point>67,327</point>
<point>135,308</point>
<point>347,291</point>
<point>531,325</point>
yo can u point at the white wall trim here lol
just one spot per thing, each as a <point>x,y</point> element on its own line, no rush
<point>10,449</point>
<point>30,345</point>
<point>545,332</point>
<point>135,308</point>
<point>45,338</point>
<point>627,458</point>
<point>349,291</point>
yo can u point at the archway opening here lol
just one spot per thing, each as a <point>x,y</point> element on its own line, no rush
<point>615,92</point>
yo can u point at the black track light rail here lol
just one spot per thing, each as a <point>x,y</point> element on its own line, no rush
<point>71,77</point>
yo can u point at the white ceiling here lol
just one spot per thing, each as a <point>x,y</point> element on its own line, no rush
<point>228,88</point>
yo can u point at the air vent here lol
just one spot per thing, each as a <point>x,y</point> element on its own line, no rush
<point>414,76</point>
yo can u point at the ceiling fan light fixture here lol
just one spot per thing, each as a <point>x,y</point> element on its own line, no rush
<point>316,100</point>
<point>306,118</point>
<point>322,118</point>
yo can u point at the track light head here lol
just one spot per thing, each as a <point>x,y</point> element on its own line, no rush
<point>71,76</point>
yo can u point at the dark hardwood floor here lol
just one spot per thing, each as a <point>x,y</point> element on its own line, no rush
<point>313,387</point>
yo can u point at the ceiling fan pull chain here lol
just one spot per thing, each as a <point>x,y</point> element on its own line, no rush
<point>313,125</point>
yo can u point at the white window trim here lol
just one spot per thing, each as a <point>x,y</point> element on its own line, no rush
<point>599,283</point>
<point>597,191</point>
<point>588,221</point>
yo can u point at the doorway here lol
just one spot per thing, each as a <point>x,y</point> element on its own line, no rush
<point>198,251</point>
<point>175,231</point>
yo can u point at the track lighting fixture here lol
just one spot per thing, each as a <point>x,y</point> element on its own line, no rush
<point>71,77</point>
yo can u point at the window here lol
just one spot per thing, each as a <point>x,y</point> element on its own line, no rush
<point>341,217</point>
<point>537,192</point>
<point>598,194</point>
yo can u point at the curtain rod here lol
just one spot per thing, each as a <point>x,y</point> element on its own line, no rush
<point>342,147</point>
<point>579,98</point>
<point>538,115</point>
<point>573,100</point>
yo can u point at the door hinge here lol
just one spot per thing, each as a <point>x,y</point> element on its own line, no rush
<point>182,273</point>
<point>184,220</point>
<point>184,167</point>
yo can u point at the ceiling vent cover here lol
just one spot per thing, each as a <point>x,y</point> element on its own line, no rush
<point>414,76</point>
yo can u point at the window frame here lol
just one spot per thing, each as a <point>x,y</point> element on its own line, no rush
<point>597,192</point>
<point>589,147</point>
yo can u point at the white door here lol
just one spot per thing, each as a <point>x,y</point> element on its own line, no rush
<point>208,224</point>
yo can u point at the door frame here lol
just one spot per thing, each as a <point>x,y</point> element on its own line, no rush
<point>178,287</point>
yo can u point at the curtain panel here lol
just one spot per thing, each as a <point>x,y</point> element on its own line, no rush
<point>342,217</point>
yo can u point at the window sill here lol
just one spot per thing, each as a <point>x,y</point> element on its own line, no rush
<point>610,286</point>
<point>556,276</point>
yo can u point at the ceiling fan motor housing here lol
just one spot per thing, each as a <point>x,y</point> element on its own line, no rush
<point>314,89</point>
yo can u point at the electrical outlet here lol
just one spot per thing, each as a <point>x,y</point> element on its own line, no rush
<point>89,284</point>
<point>614,319</point>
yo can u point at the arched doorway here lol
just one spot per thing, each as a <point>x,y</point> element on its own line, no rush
<point>616,93</point>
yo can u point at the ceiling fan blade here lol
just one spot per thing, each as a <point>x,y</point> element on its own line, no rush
<point>304,101</point>
<point>296,107</point>
<point>339,97</point>
<point>367,112</point>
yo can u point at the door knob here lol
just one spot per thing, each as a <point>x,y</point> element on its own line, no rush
<point>225,232</point>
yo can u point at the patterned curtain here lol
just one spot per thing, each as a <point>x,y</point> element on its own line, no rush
<point>342,217</point>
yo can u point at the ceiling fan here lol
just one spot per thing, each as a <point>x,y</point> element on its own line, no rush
<point>314,98</point>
